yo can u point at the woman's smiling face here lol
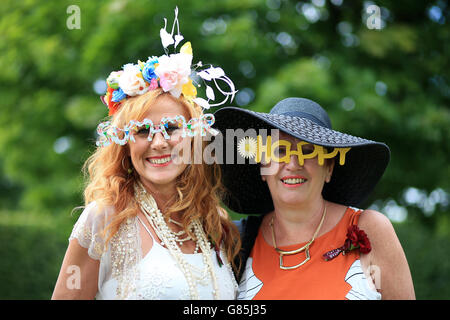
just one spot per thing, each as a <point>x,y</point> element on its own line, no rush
<point>153,160</point>
<point>291,183</point>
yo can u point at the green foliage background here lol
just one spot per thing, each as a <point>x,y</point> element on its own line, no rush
<point>388,85</point>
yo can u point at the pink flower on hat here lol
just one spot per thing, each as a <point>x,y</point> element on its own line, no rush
<point>174,71</point>
<point>153,84</point>
<point>168,80</point>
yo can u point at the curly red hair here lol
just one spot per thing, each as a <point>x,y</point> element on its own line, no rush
<point>199,187</point>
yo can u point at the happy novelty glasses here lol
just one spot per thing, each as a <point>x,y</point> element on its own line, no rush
<point>112,134</point>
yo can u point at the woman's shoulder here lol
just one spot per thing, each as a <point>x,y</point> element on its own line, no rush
<point>381,233</point>
<point>95,213</point>
<point>387,255</point>
<point>374,221</point>
<point>88,229</point>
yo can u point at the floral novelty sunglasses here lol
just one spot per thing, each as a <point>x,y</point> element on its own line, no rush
<point>167,127</point>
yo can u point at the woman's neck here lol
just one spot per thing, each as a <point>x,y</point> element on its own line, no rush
<point>296,224</point>
<point>161,194</point>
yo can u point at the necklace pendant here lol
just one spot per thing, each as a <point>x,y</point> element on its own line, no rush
<point>283,267</point>
<point>305,248</point>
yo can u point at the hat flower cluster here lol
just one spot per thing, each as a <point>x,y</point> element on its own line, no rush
<point>171,72</point>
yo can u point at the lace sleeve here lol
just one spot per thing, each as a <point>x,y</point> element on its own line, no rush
<point>88,230</point>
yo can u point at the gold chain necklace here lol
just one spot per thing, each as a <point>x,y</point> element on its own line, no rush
<point>304,248</point>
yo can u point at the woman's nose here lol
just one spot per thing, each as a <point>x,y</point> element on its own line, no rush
<point>159,142</point>
<point>293,163</point>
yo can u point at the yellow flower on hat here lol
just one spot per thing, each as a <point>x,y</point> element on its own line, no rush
<point>186,48</point>
<point>189,90</point>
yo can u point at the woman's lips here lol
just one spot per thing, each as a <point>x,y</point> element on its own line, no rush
<point>293,181</point>
<point>160,161</point>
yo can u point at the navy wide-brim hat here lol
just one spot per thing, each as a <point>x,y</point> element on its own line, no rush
<point>306,120</point>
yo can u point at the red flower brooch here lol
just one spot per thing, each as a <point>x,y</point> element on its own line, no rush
<point>356,239</point>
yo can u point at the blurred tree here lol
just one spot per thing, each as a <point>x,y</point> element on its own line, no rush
<point>389,84</point>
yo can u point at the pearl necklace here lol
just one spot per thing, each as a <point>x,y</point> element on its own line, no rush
<point>182,232</point>
<point>193,274</point>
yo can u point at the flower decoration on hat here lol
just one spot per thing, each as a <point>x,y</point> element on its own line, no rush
<point>247,147</point>
<point>171,72</point>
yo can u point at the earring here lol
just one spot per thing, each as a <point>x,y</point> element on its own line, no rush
<point>130,169</point>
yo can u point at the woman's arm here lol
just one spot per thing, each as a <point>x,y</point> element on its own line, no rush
<point>387,258</point>
<point>78,277</point>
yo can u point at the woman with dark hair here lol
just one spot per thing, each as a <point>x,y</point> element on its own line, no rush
<point>307,240</point>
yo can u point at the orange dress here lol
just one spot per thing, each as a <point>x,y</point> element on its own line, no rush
<point>336,279</point>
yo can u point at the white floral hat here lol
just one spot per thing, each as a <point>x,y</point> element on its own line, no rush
<point>173,73</point>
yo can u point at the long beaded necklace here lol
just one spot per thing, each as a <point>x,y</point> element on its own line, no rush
<point>178,235</point>
<point>193,275</point>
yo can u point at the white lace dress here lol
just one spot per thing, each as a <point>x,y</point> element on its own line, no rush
<point>125,274</point>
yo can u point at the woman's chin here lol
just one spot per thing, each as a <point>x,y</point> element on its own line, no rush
<point>291,199</point>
